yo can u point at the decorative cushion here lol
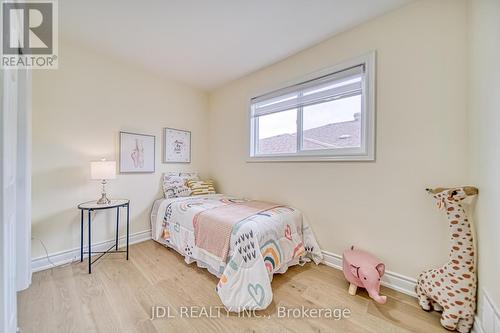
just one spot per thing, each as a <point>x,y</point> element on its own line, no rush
<point>189,175</point>
<point>174,184</point>
<point>177,191</point>
<point>200,187</point>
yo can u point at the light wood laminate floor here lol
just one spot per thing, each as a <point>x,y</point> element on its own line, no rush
<point>118,297</point>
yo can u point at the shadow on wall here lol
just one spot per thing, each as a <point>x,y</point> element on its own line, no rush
<point>43,229</point>
<point>60,179</point>
<point>103,228</point>
<point>159,192</point>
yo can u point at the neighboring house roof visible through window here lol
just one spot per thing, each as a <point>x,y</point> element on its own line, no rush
<point>336,135</point>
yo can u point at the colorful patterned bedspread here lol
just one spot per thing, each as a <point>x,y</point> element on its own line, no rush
<point>260,246</point>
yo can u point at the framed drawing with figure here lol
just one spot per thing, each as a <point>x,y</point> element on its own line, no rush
<point>176,146</point>
<point>137,153</point>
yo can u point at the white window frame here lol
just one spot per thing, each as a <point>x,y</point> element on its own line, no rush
<point>364,153</point>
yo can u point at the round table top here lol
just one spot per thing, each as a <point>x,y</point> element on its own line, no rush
<point>95,206</point>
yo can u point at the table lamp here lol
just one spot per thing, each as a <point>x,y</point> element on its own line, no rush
<point>103,170</point>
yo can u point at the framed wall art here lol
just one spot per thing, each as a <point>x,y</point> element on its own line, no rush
<point>176,146</point>
<point>137,153</point>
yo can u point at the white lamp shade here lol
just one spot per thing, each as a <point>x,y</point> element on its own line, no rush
<point>100,170</point>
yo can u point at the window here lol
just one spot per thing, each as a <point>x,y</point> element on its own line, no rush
<point>327,117</point>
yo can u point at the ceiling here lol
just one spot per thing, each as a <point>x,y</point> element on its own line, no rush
<point>207,43</point>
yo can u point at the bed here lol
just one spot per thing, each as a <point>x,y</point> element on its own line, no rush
<point>264,239</point>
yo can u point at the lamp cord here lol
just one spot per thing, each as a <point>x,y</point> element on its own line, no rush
<point>46,252</point>
<point>48,257</point>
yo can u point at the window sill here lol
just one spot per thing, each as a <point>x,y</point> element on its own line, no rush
<point>271,159</point>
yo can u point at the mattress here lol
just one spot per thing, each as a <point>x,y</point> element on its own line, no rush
<point>260,245</point>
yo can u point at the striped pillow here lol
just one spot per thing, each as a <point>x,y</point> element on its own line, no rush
<point>200,187</point>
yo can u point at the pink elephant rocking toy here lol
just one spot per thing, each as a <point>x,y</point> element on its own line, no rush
<point>362,269</point>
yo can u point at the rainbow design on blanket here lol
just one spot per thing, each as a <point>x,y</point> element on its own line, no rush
<point>271,254</point>
<point>222,281</point>
<point>299,250</point>
<point>184,206</point>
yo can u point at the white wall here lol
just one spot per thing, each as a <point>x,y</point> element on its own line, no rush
<point>421,138</point>
<point>484,136</point>
<point>78,111</point>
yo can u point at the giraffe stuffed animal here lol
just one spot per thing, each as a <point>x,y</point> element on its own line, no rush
<point>451,288</point>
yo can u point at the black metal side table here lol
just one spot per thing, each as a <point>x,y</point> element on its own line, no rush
<point>92,206</point>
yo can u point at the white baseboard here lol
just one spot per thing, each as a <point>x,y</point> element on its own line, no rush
<point>67,256</point>
<point>478,327</point>
<point>488,317</point>
<point>398,282</point>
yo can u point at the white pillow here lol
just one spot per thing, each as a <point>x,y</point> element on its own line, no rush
<point>174,184</point>
<point>189,176</point>
<point>177,192</point>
